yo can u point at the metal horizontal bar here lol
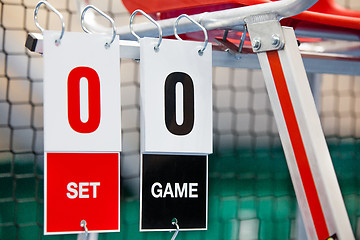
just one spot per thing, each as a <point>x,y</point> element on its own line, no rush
<point>314,62</point>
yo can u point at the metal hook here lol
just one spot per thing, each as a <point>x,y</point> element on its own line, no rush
<point>151,20</point>
<point>201,51</point>
<point>107,45</point>
<point>57,41</point>
<point>174,221</point>
<point>242,41</point>
<point>83,225</point>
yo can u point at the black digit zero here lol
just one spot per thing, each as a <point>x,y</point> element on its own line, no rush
<point>170,103</point>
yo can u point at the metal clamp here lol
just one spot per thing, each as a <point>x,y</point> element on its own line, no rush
<point>156,48</point>
<point>57,41</point>
<point>107,45</point>
<point>265,33</point>
<point>201,51</point>
<point>174,221</point>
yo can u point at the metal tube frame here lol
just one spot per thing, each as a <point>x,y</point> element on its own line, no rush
<point>225,19</point>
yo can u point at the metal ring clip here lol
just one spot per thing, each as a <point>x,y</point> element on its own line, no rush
<point>57,41</point>
<point>83,225</point>
<point>151,20</point>
<point>201,51</point>
<point>174,221</point>
<point>107,45</point>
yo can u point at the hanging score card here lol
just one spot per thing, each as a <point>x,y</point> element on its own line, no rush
<point>82,186</point>
<point>176,97</point>
<point>176,134</point>
<point>82,133</point>
<point>81,93</point>
<point>174,186</point>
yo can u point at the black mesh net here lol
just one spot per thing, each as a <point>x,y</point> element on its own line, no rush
<point>250,191</point>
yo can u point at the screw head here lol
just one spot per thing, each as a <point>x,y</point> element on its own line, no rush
<point>256,44</point>
<point>275,40</point>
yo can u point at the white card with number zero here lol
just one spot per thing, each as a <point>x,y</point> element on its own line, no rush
<point>82,109</point>
<point>176,97</point>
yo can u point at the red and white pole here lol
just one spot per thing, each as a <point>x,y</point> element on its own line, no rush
<point>311,169</point>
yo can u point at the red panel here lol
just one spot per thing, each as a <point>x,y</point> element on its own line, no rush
<point>63,214</point>
<point>326,12</point>
<point>152,6</point>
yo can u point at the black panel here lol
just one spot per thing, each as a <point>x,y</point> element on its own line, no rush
<point>190,212</point>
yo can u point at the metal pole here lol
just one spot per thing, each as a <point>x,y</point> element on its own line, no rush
<point>225,19</point>
<point>307,155</point>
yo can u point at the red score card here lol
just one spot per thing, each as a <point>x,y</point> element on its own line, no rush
<point>82,186</point>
